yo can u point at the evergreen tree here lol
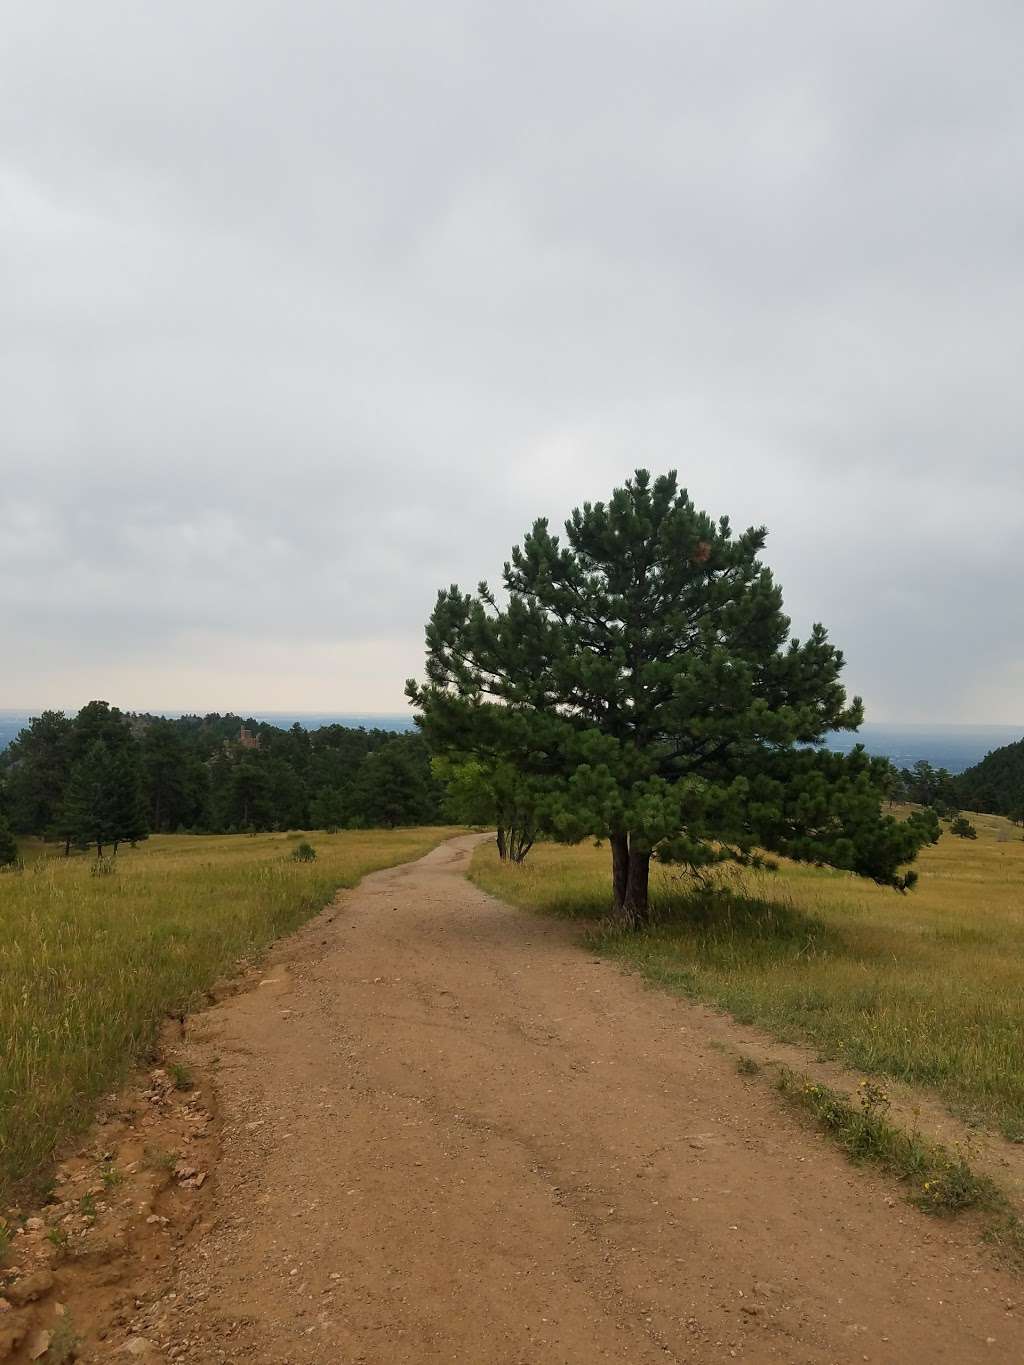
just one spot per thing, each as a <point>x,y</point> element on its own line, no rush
<point>249,795</point>
<point>166,765</point>
<point>8,847</point>
<point>37,764</point>
<point>642,677</point>
<point>98,721</point>
<point>287,795</point>
<point>934,787</point>
<point>328,810</point>
<point>126,799</point>
<point>87,815</point>
<point>394,786</point>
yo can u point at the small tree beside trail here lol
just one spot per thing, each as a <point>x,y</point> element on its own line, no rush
<point>639,676</point>
<point>478,794</point>
<point>963,828</point>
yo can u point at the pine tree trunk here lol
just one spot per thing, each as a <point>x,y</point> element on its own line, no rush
<point>631,868</point>
<point>620,869</point>
<point>636,908</point>
<point>502,844</point>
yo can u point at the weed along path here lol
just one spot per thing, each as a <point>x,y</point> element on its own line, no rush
<point>448,1134</point>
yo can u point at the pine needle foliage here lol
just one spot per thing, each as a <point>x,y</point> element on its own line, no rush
<point>639,679</point>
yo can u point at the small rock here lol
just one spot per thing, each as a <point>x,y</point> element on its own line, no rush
<point>5,1307</point>
<point>140,1348</point>
<point>30,1288</point>
<point>39,1344</point>
<point>34,1225</point>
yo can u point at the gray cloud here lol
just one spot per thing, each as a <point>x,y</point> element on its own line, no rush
<point>310,309</point>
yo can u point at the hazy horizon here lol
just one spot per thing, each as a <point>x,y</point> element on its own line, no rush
<point>394,714</point>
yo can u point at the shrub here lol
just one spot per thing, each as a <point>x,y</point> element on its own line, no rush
<point>304,853</point>
<point>180,1075</point>
<point>963,828</point>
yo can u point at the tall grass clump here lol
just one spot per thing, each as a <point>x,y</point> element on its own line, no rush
<point>91,964</point>
<point>927,988</point>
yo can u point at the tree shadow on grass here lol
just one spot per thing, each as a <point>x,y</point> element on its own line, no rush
<point>718,915</point>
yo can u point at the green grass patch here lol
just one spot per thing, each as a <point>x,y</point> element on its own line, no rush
<point>937,1181</point>
<point>927,988</point>
<point>91,965</point>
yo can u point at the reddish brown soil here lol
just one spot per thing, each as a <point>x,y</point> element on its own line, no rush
<point>450,1135</point>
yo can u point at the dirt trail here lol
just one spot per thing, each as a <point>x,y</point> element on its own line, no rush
<point>450,1135</point>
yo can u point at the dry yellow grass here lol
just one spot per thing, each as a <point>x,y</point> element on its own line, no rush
<point>927,987</point>
<point>90,965</point>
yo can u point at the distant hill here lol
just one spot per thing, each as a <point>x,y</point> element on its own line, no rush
<point>996,784</point>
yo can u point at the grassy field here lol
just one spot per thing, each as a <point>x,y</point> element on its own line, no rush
<point>90,965</point>
<point>928,987</point>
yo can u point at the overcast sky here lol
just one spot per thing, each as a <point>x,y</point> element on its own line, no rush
<point>307,309</point>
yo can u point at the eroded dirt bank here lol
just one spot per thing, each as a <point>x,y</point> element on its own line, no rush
<point>450,1135</point>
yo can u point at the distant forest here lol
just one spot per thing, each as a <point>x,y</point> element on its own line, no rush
<point>106,776</point>
<point>995,785</point>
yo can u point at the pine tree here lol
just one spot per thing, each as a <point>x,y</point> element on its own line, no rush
<point>166,763</point>
<point>87,814</point>
<point>394,786</point>
<point>328,809</point>
<point>642,679</point>
<point>37,764</point>
<point>126,799</point>
<point>8,847</point>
